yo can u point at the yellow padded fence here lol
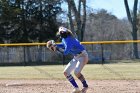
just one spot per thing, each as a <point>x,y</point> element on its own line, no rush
<point>91,42</point>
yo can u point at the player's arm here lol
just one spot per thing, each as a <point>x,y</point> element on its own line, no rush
<point>68,46</point>
<point>60,47</point>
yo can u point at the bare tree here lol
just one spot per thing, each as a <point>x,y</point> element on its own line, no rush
<point>103,26</point>
<point>78,19</point>
<point>133,20</point>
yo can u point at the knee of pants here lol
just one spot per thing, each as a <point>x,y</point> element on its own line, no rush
<point>66,73</point>
<point>77,73</point>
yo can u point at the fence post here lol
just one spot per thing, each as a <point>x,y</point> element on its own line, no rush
<point>24,56</point>
<point>102,54</point>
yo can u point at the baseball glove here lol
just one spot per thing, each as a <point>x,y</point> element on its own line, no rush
<point>51,45</point>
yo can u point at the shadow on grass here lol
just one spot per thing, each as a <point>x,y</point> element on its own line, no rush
<point>121,61</point>
<point>117,74</point>
<point>43,72</point>
<point>66,61</point>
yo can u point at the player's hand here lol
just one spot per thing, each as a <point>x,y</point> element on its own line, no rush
<point>51,45</point>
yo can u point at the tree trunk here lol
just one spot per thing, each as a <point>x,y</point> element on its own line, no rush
<point>133,20</point>
<point>70,19</point>
<point>84,20</point>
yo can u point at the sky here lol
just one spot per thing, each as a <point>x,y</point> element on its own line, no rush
<point>115,7</point>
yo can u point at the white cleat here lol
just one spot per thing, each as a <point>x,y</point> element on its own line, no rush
<point>84,90</point>
<point>76,90</point>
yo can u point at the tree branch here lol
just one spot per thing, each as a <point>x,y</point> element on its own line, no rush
<point>135,12</point>
<point>84,20</point>
<point>128,11</point>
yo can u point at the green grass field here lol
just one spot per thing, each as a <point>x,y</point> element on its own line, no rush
<point>117,71</point>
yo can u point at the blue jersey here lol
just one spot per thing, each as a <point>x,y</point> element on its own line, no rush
<point>71,46</point>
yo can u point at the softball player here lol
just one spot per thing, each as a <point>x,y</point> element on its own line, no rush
<point>72,46</point>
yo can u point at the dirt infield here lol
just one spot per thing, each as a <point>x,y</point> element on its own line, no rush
<point>61,86</point>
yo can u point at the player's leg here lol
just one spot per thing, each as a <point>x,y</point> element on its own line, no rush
<point>67,72</point>
<point>79,75</point>
<point>82,61</point>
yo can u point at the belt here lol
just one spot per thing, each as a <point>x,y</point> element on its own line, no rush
<point>80,52</point>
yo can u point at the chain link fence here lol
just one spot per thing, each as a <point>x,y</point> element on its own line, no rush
<point>98,53</point>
